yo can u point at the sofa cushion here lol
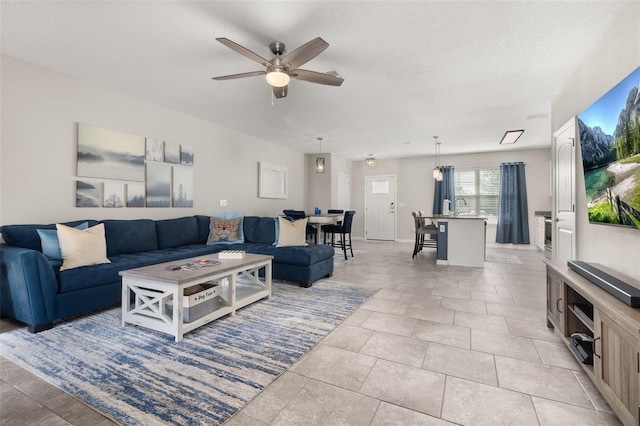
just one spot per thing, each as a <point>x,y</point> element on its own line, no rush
<point>250,228</point>
<point>203,228</point>
<point>177,232</point>
<point>226,228</point>
<point>50,243</point>
<point>260,230</point>
<point>299,255</point>
<point>292,233</point>
<point>82,247</point>
<point>26,236</point>
<point>130,236</point>
<point>76,279</point>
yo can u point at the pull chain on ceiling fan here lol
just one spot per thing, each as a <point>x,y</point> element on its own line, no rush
<point>281,69</point>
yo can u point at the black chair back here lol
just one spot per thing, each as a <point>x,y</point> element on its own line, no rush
<point>295,214</point>
<point>336,211</point>
<point>348,220</point>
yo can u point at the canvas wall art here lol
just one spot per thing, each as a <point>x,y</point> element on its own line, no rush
<point>182,187</point>
<point>610,145</point>
<point>186,155</point>
<point>135,195</point>
<point>105,153</point>
<point>113,194</point>
<point>171,153</point>
<point>87,194</point>
<point>158,185</point>
<point>155,150</point>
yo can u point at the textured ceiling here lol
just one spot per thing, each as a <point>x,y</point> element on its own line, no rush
<point>465,71</point>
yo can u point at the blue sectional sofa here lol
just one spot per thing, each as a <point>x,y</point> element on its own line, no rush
<point>34,291</point>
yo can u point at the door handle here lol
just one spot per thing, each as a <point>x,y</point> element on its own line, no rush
<point>556,220</point>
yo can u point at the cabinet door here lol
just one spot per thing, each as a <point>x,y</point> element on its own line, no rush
<point>555,300</point>
<point>617,366</point>
<point>540,233</point>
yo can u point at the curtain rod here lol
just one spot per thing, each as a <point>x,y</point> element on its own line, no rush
<point>493,166</point>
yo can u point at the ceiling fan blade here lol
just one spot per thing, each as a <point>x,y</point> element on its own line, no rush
<point>304,53</point>
<point>316,77</point>
<point>280,92</point>
<point>241,75</point>
<point>244,51</point>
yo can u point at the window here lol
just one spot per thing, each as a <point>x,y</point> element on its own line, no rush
<point>477,192</point>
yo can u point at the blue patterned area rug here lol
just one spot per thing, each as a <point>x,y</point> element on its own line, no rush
<point>140,377</point>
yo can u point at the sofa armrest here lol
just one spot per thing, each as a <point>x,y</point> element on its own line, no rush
<point>28,287</point>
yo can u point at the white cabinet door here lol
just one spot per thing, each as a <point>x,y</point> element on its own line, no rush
<point>540,233</point>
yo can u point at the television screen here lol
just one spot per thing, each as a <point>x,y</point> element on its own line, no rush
<point>610,144</point>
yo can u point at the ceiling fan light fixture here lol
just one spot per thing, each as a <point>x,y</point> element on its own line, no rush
<point>370,161</point>
<point>277,78</point>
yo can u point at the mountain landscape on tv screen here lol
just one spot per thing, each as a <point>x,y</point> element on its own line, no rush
<point>612,161</point>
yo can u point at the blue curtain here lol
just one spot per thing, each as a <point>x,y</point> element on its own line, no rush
<point>513,216</point>
<point>444,190</point>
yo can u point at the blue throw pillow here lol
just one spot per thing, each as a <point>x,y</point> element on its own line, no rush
<point>51,245</point>
<point>226,228</point>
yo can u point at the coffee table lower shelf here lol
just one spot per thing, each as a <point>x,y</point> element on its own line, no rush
<point>152,296</point>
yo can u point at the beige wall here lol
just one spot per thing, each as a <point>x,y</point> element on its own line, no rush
<point>318,192</point>
<point>323,187</point>
<point>617,55</point>
<point>40,109</point>
<point>338,165</point>
<point>415,184</point>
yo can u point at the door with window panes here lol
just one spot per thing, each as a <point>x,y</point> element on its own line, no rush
<point>477,192</point>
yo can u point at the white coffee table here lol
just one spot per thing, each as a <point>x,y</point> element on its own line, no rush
<point>152,296</point>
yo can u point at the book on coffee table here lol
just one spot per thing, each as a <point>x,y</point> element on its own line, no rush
<point>231,254</point>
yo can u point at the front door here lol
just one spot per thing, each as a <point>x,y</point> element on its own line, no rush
<point>380,208</point>
<point>564,228</point>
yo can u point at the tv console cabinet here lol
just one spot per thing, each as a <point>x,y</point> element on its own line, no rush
<point>575,305</point>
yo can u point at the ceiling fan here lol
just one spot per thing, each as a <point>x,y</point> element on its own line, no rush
<point>281,69</point>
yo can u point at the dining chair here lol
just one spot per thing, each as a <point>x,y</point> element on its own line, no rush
<point>343,230</point>
<point>300,214</point>
<point>335,211</point>
<point>423,227</point>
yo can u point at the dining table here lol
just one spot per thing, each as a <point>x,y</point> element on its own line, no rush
<point>317,220</point>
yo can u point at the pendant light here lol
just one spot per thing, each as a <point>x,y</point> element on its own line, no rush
<point>320,159</point>
<point>437,173</point>
<point>370,161</point>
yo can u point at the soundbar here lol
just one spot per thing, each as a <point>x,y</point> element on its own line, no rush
<point>612,285</point>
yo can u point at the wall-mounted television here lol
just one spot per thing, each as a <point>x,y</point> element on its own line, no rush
<point>610,145</point>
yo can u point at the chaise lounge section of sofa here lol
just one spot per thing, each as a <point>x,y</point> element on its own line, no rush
<point>34,291</point>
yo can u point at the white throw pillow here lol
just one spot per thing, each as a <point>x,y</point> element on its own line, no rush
<point>82,248</point>
<point>292,233</point>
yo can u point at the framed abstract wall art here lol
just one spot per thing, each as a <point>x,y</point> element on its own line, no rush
<point>87,194</point>
<point>105,153</point>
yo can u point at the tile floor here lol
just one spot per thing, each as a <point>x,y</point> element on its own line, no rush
<point>436,345</point>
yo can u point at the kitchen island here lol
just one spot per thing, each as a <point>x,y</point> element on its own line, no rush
<point>461,240</point>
